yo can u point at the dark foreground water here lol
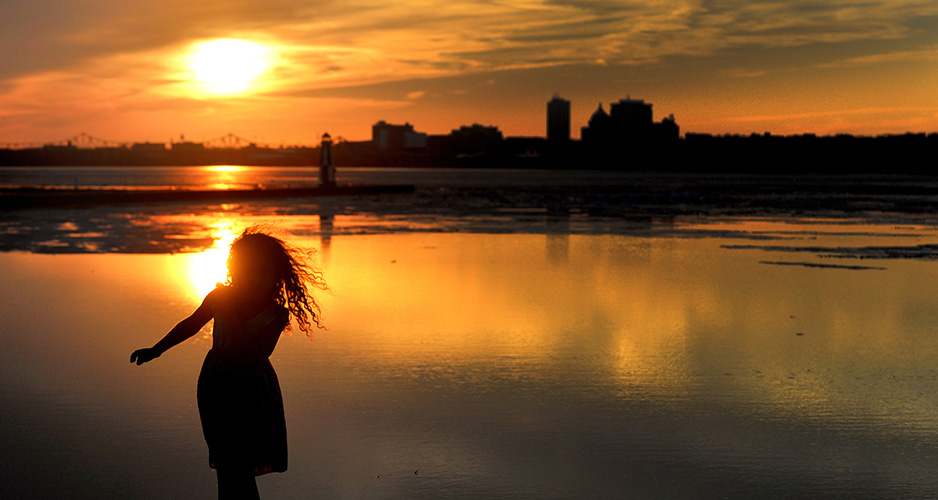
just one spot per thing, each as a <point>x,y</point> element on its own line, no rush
<point>503,352</point>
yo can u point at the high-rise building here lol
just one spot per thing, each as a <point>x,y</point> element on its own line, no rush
<point>388,137</point>
<point>631,114</point>
<point>558,119</point>
<point>629,120</point>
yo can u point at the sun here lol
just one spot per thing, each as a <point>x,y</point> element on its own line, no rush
<point>228,66</point>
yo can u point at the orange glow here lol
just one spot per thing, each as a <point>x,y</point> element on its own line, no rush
<point>136,74</point>
<point>655,314</point>
<point>224,168</point>
<point>650,317</point>
<point>206,269</point>
<point>227,66</point>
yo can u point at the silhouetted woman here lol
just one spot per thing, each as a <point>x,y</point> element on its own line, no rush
<point>240,404</point>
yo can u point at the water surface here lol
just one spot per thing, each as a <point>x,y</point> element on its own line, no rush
<point>497,366</point>
<point>506,352</point>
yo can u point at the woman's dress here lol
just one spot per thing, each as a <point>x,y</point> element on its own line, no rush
<point>239,397</point>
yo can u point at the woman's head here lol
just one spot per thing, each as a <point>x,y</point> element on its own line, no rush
<point>262,265</point>
<point>256,264</point>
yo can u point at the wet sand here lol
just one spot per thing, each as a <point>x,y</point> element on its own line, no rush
<point>578,203</point>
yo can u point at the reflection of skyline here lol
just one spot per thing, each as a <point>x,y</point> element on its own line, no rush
<point>558,235</point>
<point>325,231</point>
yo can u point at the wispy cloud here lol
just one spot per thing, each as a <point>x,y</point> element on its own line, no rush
<point>97,55</point>
<point>371,40</point>
<point>925,55</point>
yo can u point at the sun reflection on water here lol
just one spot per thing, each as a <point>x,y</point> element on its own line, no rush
<point>225,168</point>
<point>207,269</point>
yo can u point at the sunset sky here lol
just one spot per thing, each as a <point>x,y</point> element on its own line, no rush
<point>289,70</point>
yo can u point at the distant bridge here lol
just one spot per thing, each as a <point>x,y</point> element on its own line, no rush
<point>87,141</point>
<point>81,140</point>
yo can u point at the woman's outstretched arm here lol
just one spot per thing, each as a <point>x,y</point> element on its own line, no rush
<point>182,331</point>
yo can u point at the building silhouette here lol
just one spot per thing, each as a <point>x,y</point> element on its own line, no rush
<point>621,136</point>
<point>628,122</point>
<point>388,137</point>
<point>558,120</point>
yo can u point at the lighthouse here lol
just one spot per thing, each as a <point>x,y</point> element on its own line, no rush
<point>326,165</point>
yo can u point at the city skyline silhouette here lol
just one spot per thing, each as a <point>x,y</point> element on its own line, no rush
<point>626,137</point>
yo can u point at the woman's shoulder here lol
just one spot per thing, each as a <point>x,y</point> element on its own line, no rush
<point>220,296</point>
<point>217,292</point>
<point>210,304</point>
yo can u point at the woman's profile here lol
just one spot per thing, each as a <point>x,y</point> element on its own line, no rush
<point>239,397</point>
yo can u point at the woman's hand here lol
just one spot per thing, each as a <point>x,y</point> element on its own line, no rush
<point>182,331</point>
<point>141,356</point>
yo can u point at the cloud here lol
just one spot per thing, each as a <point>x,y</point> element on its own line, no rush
<point>746,74</point>
<point>930,55</point>
<point>372,40</point>
<point>99,56</point>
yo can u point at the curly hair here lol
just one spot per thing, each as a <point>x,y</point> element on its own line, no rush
<point>293,273</point>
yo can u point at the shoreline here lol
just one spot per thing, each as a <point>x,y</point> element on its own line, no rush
<point>146,218</point>
<point>45,197</point>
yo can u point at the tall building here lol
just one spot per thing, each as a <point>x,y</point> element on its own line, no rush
<point>558,119</point>
<point>598,128</point>
<point>631,114</point>
<point>628,121</point>
<point>388,137</point>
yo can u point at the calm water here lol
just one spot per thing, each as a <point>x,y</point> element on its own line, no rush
<point>229,176</point>
<point>506,355</point>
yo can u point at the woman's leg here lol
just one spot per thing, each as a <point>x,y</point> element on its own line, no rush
<point>236,483</point>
